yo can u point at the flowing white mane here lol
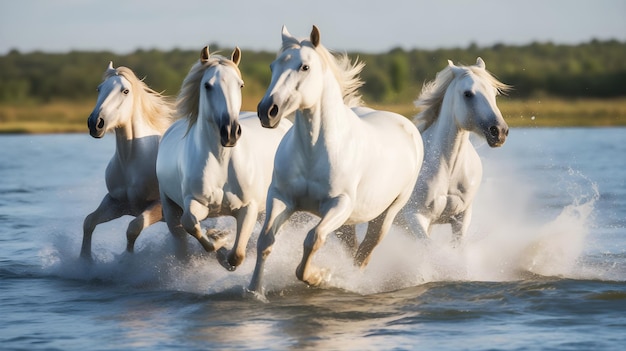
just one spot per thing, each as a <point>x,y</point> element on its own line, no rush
<point>346,72</point>
<point>155,106</point>
<point>431,97</point>
<point>188,101</point>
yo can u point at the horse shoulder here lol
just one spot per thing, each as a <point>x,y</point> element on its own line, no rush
<point>170,158</point>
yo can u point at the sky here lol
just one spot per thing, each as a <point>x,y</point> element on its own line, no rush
<point>372,26</point>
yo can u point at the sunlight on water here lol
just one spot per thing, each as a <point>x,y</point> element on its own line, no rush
<point>509,239</point>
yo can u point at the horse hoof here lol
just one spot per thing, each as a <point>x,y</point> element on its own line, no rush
<point>222,258</point>
<point>258,295</point>
<point>319,279</point>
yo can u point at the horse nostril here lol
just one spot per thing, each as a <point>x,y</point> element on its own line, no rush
<point>494,131</point>
<point>274,111</point>
<point>100,123</point>
<point>506,132</point>
<point>238,131</point>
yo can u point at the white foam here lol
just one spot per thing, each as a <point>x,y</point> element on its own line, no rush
<point>506,241</point>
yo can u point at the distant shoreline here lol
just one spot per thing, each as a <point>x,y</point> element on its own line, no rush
<point>71,116</point>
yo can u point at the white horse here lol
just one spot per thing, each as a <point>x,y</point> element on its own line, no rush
<point>345,163</point>
<point>139,116</point>
<point>215,162</point>
<point>461,100</point>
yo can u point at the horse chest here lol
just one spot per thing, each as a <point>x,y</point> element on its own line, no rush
<point>132,184</point>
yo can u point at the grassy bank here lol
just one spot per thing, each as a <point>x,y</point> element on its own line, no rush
<point>70,117</point>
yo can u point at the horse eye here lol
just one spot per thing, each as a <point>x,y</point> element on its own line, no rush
<point>98,89</point>
<point>243,85</point>
<point>468,94</point>
<point>305,67</point>
<point>125,91</point>
<point>207,86</point>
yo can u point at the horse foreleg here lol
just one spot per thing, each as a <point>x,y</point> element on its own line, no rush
<point>246,218</point>
<point>193,213</point>
<point>334,213</point>
<point>152,214</point>
<point>423,226</point>
<point>277,213</point>
<point>108,210</point>
<point>347,235</point>
<point>416,223</point>
<point>460,224</point>
<point>172,214</point>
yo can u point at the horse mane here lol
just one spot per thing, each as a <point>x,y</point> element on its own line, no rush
<point>346,72</point>
<point>188,101</point>
<point>431,97</point>
<point>156,108</point>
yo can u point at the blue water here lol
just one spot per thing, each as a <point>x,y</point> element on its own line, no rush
<point>543,265</point>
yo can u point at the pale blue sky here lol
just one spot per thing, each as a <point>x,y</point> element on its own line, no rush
<point>346,25</point>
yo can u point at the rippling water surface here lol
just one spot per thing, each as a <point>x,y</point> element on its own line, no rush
<point>543,265</point>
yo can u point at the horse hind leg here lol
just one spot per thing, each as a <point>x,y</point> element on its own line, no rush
<point>376,231</point>
<point>152,214</point>
<point>372,238</point>
<point>108,210</point>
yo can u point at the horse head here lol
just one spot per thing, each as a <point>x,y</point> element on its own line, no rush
<point>114,104</point>
<point>473,95</point>
<point>297,79</point>
<point>220,95</point>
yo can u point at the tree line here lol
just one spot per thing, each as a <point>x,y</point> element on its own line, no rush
<point>594,69</point>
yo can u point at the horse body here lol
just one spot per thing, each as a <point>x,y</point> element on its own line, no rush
<point>461,101</point>
<point>203,172</point>
<point>344,163</point>
<point>139,116</point>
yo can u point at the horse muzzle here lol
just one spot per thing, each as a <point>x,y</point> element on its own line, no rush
<point>96,125</point>
<point>229,134</point>
<point>496,135</point>
<point>268,113</point>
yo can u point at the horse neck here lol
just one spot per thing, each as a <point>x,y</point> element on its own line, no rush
<point>325,122</point>
<point>134,129</point>
<point>450,139</point>
<point>206,137</point>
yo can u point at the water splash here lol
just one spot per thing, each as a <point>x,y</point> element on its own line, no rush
<point>506,241</point>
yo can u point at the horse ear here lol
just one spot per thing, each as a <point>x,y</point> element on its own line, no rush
<point>110,67</point>
<point>204,54</point>
<point>455,69</point>
<point>315,36</point>
<point>236,56</point>
<point>285,34</point>
<point>480,63</point>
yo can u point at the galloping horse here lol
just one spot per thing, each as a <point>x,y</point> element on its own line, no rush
<point>461,100</point>
<point>139,116</point>
<point>215,162</point>
<point>345,163</point>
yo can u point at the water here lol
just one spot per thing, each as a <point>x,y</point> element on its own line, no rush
<point>543,265</point>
